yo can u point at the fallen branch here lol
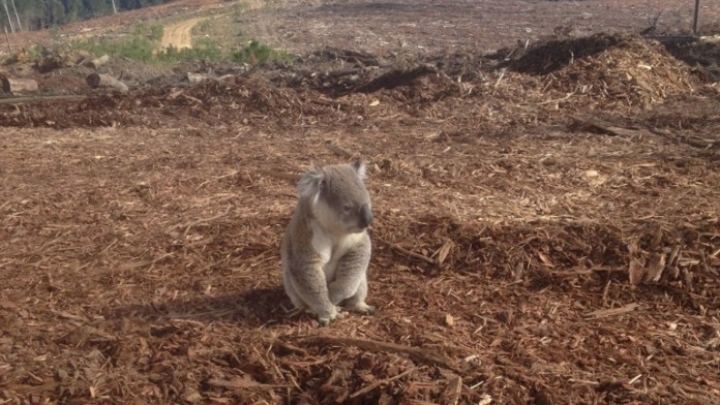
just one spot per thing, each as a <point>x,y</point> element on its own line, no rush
<point>613,311</point>
<point>200,221</point>
<point>344,72</point>
<point>410,252</point>
<point>39,99</point>
<point>414,353</point>
<point>557,100</point>
<point>395,78</point>
<point>240,384</point>
<point>338,150</point>
<point>700,143</point>
<point>597,125</point>
<point>378,383</point>
<point>284,176</point>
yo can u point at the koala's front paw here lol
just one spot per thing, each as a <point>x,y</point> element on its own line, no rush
<point>331,315</point>
<point>364,308</point>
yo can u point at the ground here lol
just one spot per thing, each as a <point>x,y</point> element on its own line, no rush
<point>179,34</point>
<point>546,216</point>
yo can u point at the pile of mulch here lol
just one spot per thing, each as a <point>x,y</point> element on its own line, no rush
<point>246,99</point>
<point>635,72</point>
<point>544,57</point>
<point>611,70</point>
<point>211,102</point>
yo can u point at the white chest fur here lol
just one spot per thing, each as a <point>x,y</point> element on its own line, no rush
<point>331,248</point>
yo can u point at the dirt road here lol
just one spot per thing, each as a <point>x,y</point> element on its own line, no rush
<point>179,34</point>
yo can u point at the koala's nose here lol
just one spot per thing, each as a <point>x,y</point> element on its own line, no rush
<point>366,216</point>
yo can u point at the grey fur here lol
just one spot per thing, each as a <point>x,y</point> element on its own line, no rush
<point>326,249</point>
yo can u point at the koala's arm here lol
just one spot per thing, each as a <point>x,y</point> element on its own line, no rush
<point>311,286</point>
<point>351,272</point>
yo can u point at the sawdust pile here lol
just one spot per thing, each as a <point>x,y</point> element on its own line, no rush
<point>623,70</point>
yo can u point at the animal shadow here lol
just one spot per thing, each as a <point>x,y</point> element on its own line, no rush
<point>257,307</point>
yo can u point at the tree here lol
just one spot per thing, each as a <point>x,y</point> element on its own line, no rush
<point>55,13</point>
<point>17,17</point>
<point>73,10</point>
<point>7,12</point>
<point>38,14</point>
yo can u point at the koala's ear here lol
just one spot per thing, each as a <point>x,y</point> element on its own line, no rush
<point>360,168</point>
<point>311,182</point>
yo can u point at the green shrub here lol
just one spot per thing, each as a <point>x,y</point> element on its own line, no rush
<point>254,51</point>
<point>36,52</point>
<point>203,49</point>
<point>153,32</point>
<point>137,48</point>
<point>204,26</point>
<point>142,45</point>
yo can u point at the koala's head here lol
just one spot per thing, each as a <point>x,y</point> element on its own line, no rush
<point>338,197</point>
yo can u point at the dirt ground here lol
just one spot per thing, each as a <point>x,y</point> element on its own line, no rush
<point>546,220</point>
<point>179,34</point>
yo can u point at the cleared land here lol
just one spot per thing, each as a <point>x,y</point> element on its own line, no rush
<point>179,34</point>
<point>546,217</point>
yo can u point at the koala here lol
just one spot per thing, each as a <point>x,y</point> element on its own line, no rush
<point>326,249</point>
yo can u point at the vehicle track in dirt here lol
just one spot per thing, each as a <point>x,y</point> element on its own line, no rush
<point>179,34</point>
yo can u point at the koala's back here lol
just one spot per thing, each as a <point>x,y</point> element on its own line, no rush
<point>296,244</point>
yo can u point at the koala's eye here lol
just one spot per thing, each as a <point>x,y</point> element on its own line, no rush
<point>347,207</point>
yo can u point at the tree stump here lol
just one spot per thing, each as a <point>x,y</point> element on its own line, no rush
<point>97,62</point>
<point>16,85</point>
<point>96,80</point>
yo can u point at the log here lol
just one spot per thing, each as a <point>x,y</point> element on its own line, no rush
<point>19,85</point>
<point>196,78</point>
<point>96,80</point>
<point>41,99</point>
<point>226,79</point>
<point>97,62</point>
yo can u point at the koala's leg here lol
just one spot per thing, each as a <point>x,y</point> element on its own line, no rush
<point>311,289</point>
<point>350,281</point>
<point>357,302</point>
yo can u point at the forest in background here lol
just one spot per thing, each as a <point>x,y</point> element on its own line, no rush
<point>31,15</point>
